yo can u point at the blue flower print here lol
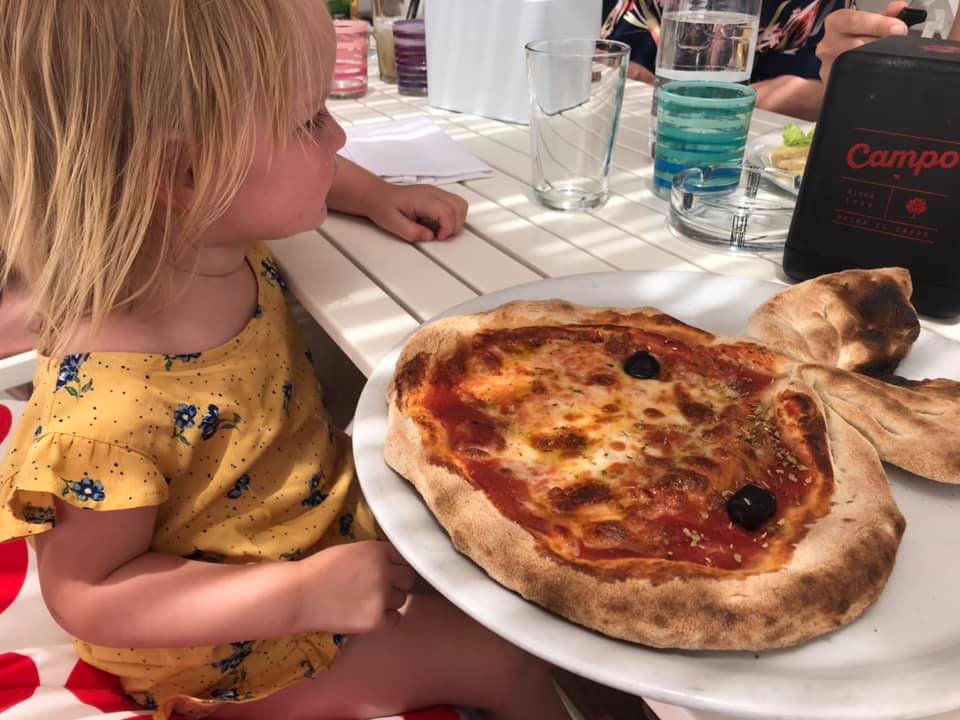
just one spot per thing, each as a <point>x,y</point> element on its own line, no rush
<point>39,515</point>
<point>346,525</point>
<point>183,417</point>
<point>169,360</point>
<point>38,432</point>
<point>292,556</point>
<point>230,695</point>
<point>240,652</point>
<point>258,312</point>
<point>144,700</point>
<point>212,422</point>
<point>239,487</point>
<point>309,670</point>
<point>338,640</point>
<point>70,378</point>
<point>85,489</point>
<point>272,274</point>
<point>233,694</point>
<point>316,496</point>
<point>287,395</point>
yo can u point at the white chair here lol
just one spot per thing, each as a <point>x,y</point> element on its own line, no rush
<point>17,370</point>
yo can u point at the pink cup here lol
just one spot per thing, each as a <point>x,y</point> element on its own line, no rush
<point>350,73</point>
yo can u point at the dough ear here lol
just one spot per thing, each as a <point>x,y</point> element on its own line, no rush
<point>859,320</point>
<point>912,423</point>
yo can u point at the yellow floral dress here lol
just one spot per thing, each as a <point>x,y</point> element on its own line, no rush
<point>233,445</point>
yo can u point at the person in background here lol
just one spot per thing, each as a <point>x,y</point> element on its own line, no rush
<point>796,36</point>
<point>849,29</point>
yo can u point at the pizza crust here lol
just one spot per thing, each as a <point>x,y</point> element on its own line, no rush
<point>834,574</point>
<point>912,425</point>
<point>859,320</point>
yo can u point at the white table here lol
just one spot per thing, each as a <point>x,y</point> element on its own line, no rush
<point>368,290</point>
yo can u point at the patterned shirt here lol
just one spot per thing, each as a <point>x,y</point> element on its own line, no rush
<point>233,447</point>
<point>789,33</point>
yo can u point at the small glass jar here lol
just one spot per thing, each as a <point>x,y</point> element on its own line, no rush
<point>410,44</point>
<point>350,72</point>
<point>383,34</point>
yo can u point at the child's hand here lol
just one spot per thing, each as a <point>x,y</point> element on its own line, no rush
<point>418,213</point>
<point>356,588</point>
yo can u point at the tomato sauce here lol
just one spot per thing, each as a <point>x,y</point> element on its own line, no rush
<point>675,529</point>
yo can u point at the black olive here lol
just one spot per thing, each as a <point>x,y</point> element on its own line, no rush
<point>751,506</point>
<point>642,365</point>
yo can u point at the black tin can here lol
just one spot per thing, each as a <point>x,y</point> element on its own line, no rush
<point>882,183</point>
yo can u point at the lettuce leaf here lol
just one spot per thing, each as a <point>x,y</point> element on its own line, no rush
<point>793,136</point>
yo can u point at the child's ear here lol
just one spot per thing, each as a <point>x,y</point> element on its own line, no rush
<point>177,187</point>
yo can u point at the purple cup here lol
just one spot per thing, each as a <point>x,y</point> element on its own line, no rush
<point>410,45</point>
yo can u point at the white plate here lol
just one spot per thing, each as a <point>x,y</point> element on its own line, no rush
<point>760,151</point>
<point>901,659</point>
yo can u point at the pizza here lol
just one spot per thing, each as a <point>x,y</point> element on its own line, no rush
<point>664,485</point>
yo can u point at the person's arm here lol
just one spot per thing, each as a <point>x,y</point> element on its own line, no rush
<point>636,71</point>
<point>397,209</point>
<point>353,188</point>
<point>955,30</point>
<point>103,585</point>
<point>790,95</point>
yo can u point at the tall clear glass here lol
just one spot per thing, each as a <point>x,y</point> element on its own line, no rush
<point>704,40</point>
<point>385,14</point>
<point>576,91</point>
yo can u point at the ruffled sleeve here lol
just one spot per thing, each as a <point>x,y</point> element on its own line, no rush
<point>88,474</point>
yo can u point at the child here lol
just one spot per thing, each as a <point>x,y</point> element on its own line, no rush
<point>230,567</point>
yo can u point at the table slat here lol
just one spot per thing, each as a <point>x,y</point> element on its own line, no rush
<point>485,268</point>
<point>583,230</point>
<point>413,279</point>
<point>537,248</point>
<point>358,315</point>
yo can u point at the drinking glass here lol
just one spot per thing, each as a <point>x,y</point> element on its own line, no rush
<point>702,123</point>
<point>576,90</point>
<point>350,72</point>
<point>385,14</point>
<point>410,44</point>
<point>704,40</point>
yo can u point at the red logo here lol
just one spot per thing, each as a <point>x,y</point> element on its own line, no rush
<point>916,207</point>
<point>861,155</point>
<point>942,49</point>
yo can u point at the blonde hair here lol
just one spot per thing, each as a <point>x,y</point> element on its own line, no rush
<point>101,102</point>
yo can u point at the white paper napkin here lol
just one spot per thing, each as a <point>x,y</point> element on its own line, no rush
<point>411,151</point>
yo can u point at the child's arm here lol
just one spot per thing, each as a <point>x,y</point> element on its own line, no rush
<point>103,585</point>
<point>397,209</point>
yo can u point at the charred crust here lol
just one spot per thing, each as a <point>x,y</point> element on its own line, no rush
<point>810,422</point>
<point>411,375</point>
<point>886,326</point>
<point>668,321</point>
